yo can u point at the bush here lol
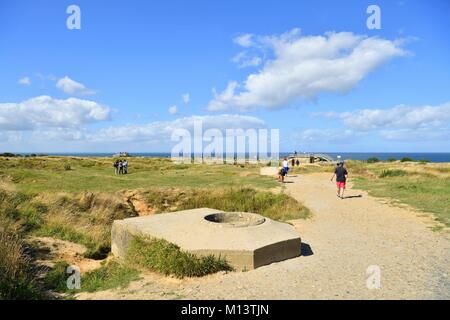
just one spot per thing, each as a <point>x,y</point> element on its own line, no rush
<point>391,160</point>
<point>56,278</point>
<point>406,159</point>
<point>373,160</point>
<point>8,155</point>
<point>392,173</point>
<point>167,258</point>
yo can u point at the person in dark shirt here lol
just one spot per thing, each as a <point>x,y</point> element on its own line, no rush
<point>341,179</point>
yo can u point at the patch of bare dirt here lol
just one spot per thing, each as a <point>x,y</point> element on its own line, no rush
<point>50,250</point>
<point>138,204</point>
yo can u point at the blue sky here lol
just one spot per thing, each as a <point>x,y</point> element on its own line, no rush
<point>138,69</point>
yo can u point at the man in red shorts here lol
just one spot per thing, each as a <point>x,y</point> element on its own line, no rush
<point>341,178</point>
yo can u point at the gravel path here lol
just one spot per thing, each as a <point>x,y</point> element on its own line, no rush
<point>341,241</point>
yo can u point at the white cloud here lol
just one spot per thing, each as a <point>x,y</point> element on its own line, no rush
<point>70,86</point>
<point>408,123</point>
<point>160,132</point>
<point>25,81</point>
<point>302,67</point>
<point>243,60</point>
<point>399,117</point>
<point>173,110</point>
<point>45,111</point>
<point>186,98</point>
<point>245,40</point>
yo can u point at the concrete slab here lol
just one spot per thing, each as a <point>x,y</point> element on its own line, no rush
<point>247,241</point>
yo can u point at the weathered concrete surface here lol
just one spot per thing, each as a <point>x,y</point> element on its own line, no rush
<point>243,247</point>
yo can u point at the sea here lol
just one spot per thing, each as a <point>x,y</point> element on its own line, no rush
<point>431,157</point>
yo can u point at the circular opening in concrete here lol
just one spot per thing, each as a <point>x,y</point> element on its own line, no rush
<point>235,219</point>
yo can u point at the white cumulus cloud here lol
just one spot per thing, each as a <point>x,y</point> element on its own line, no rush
<point>70,86</point>
<point>302,67</point>
<point>45,111</point>
<point>399,117</point>
<point>413,123</point>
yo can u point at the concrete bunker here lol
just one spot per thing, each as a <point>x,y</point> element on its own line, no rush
<point>246,240</point>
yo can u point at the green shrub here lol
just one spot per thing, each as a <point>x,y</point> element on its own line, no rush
<point>406,159</point>
<point>391,160</point>
<point>392,173</point>
<point>167,258</point>
<point>56,278</point>
<point>373,160</point>
<point>108,276</point>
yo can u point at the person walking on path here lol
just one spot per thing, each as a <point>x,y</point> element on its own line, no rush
<point>341,179</point>
<point>284,170</point>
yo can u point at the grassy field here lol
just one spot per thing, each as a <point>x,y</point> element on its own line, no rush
<point>97,174</point>
<point>424,186</point>
<point>76,200</point>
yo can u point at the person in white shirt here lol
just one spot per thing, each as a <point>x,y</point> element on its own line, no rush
<point>284,169</point>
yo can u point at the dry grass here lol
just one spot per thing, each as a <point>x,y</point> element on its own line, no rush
<point>84,218</point>
<point>279,207</point>
<point>17,272</point>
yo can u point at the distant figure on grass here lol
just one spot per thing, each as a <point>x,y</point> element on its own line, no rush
<point>116,167</point>
<point>341,178</point>
<point>125,166</point>
<point>120,167</point>
<point>284,170</point>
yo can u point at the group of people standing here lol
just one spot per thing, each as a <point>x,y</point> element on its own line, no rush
<point>121,167</point>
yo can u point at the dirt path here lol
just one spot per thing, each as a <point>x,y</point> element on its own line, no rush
<point>343,239</point>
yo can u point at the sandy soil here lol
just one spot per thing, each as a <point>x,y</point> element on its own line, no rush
<point>341,241</point>
<point>137,203</point>
<point>51,250</point>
